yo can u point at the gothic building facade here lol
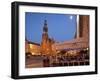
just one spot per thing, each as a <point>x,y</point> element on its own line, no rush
<point>45,48</point>
<point>46,43</point>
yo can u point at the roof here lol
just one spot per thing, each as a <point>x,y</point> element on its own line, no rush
<point>30,42</point>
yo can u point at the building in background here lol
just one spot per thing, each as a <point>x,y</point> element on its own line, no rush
<point>32,48</point>
<point>81,40</point>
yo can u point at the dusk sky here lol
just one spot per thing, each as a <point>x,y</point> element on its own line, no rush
<point>61,27</point>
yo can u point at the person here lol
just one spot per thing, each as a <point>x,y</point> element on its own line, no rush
<point>46,62</point>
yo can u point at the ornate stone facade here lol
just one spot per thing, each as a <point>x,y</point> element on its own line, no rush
<point>46,43</point>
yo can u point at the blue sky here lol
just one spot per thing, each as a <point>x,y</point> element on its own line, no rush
<point>61,27</point>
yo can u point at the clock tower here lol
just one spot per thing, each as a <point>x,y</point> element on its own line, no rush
<point>46,43</point>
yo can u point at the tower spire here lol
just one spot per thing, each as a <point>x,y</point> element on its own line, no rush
<point>45,28</point>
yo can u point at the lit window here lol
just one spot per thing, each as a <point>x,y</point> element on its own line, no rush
<point>87,48</point>
<point>33,53</point>
<point>31,46</point>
